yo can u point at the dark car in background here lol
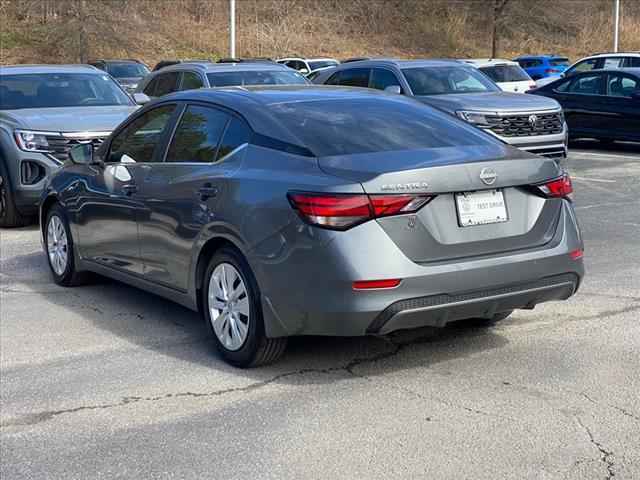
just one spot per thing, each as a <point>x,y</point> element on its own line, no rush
<point>44,111</point>
<point>281,211</point>
<point>189,76</point>
<point>602,104</point>
<point>128,73</point>
<point>542,66</point>
<point>461,90</point>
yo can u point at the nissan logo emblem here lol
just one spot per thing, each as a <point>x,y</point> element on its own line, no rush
<point>488,176</point>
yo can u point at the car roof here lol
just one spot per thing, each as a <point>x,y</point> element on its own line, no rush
<point>613,55</point>
<point>35,68</point>
<point>254,102</point>
<point>402,63</point>
<point>486,62</point>
<point>532,57</point>
<point>208,67</point>
<point>115,60</point>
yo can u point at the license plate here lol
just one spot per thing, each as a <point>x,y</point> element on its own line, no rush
<point>481,208</point>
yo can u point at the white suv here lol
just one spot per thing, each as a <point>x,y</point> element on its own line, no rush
<point>597,62</point>
<point>308,66</point>
<point>509,76</point>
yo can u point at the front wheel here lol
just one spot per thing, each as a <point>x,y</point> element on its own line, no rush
<point>58,244</point>
<point>231,301</point>
<point>9,214</point>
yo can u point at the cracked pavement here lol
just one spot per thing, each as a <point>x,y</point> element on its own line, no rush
<point>106,381</point>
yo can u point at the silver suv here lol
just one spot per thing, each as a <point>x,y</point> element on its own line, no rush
<point>44,111</point>
<point>459,89</point>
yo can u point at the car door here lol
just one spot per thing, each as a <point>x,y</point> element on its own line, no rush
<point>183,193</point>
<point>623,110</point>
<point>582,99</point>
<point>108,205</point>
<point>191,81</point>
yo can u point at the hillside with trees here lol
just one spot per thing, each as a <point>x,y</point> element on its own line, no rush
<point>57,31</point>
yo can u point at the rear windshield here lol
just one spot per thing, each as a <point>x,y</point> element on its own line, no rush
<point>322,64</point>
<point>350,126</point>
<point>46,90</point>
<point>255,77</point>
<point>505,73</point>
<point>124,70</point>
<point>559,62</point>
<point>443,80</point>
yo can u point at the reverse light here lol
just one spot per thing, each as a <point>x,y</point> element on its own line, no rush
<point>343,211</point>
<point>376,284</point>
<point>31,141</point>
<point>558,188</point>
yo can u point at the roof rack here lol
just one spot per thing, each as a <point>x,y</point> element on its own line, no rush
<point>245,60</point>
<point>168,63</point>
<point>356,59</point>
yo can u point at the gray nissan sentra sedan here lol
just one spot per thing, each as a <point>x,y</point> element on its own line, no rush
<point>280,211</point>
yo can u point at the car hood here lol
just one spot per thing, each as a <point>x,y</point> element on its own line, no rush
<point>489,102</point>
<point>69,119</point>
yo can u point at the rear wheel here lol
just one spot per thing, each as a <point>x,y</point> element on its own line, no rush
<point>58,244</point>
<point>231,301</point>
<point>9,214</point>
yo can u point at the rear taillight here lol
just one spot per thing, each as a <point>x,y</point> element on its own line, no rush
<point>551,70</point>
<point>343,211</point>
<point>556,188</point>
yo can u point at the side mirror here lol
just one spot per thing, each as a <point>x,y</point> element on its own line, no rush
<point>141,98</point>
<point>393,89</point>
<point>303,71</point>
<point>82,154</point>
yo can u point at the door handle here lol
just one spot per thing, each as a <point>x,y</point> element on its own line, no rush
<point>129,189</point>
<point>207,191</point>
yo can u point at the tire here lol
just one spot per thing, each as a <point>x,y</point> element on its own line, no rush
<point>10,217</point>
<point>232,310</point>
<point>56,230</point>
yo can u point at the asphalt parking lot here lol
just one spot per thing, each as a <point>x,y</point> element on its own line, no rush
<point>106,381</point>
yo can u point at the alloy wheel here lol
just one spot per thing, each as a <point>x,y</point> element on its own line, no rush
<point>57,245</point>
<point>229,307</point>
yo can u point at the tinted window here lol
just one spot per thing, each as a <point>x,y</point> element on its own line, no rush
<point>381,79</point>
<point>124,70</point>
<point>322,64</point>
<point>257,77</point>
<point>621,86</point>
<point>615,62</point>
<point>562,62</point>
<point>197,136</point>
<point>167,83</point>
<point>237,134</point>
<point>505,73</point>
<point>588,84</point>
<point>150,89</point>
<point>585,66</point>
<point>442,80</point>
<point>191,81</point>
<point>138,142</point>
<point>563,86</point>
<point>354,77</point>
<point>634,62</point>
<point>44,90</point>
<point>342,127</point>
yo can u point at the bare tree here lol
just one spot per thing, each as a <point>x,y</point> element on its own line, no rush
<point>498,10</point>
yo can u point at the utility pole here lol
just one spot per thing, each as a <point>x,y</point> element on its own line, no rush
<point>232,28</point>
<point>616,33</point>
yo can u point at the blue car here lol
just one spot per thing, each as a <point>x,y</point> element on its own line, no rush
<point>542,66</point>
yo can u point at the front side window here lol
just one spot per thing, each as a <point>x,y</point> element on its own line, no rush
<point>505,73</point>
<point>586,85</point>
<point>191,81</point>
<point>445,80</point>
<point>139,142</point>
<point>167,83</point>
<point>621,86</point>
<point>197,136</point>
<point>255,77</point>
<point>46,90</point>
<point>354,77</point>
<point>585,66</point>
<point>382,78</point>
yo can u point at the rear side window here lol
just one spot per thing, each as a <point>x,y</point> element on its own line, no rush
<point>559,62</point>
<point>634,62</point>
<point>351,126</point>
<point>354,77</point>
<point>139,141</point>
<point>167,83</point>
<point>621,86</point>
<point>197,136</point>
<point>191,81</point>
<point>237,134</point>
<point>382,78</point>
<point>613,62</point>
<point>150,89</point>
<point>505,73</point>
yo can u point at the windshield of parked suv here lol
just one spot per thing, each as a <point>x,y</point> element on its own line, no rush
<point>46,90</point>
<point>124,70</point>
<point>322,64</point>
<point>255,77</point>
<point>505,73</point>
<point>443,80</point>
<point>350,126</point>
<point>563,62</point>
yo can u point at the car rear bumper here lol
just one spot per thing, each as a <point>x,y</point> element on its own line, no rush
<point>316,297</point>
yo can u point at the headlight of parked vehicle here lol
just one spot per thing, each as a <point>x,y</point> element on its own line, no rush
<point>479,119</point>
<point>31,141</point>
